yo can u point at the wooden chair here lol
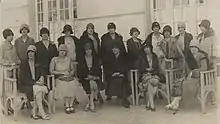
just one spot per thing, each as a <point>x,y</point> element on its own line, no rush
<point>51,84</point>
<point>11,97</point>
<point>207,85</point>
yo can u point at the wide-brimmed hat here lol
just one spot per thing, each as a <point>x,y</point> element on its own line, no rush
<point>24,26</point>
<point>31,48</point>
<point>44,31</point>
<point>67,28</point>
<point>134,29</point>
<point>155,24</point>
<point>205,23</point>
<point>63,47</point>
<point>111,25</point>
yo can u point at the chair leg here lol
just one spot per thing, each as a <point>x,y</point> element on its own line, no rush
<point>203,104</point>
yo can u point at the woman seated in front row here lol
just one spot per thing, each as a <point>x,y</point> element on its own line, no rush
<point>66,84</point>
<point>32,83</point>
<point>89,73</point>
<point>117,76</point>
<point>149,76</point>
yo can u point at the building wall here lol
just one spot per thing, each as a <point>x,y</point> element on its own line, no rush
<point>124,13</point>
<point>17,12</point>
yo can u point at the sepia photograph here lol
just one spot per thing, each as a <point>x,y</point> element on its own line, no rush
<point>109,61</point>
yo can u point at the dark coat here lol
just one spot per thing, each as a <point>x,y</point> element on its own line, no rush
<point>144,64</point>
<point>44,55</point>
<point>187,53</point>
<point>85,38</point>
<point>61,40</point>
<point>83,72</point>
<point>106,47</point>
<point>134,52</point>
<point>117,86</point>
<point>26,80</point>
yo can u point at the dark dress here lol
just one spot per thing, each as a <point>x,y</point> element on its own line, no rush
<point>44,55</point>
<point>26,80</point>
<point>117,86</point>
<point>106,49</point>
<point>95,46</point>
<point>61,40</point>
<point>135,53</point>
<point>84,71</point>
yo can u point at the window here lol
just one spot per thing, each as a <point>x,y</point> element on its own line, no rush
<point>201,1</point>
<point>40,11</point>
<point>52,10</point>
<point>180,2</point>
<point>74,9</point>
<point>64,9</point>
<point>158,4</point>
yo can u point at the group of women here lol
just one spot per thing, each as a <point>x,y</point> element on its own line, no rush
<point>82,61</point>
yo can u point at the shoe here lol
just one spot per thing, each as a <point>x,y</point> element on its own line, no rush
<point>87,107</point>
<point>76,101</point>
<point>72,110</point>
<point>148,108</point>
<point>153,109</point>
<point>108,98</point>
<point>67,110</point>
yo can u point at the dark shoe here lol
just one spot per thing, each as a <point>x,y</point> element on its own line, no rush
<point>126,103</point>
<point>108,98</point>
<point>76,101</point>
<point>148,108</point>
<point>100,99</point>
<point>153,109</point>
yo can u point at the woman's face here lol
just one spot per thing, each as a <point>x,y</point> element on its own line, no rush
<point>181,29</point>
<point>147,50</point>
<point>156,29</point>
<point>45,36</point>
<point>31,55</point>
<point>24,31</point>
<point>111,30</point>
<point>90,30</point>
<point>9,38</point>
<point>62,53</point>
<point>115,51</point>
<point>166,34</point>
<point>67,33</point>
<point>203,29</point>
<point>194,50</point>
<point>88,52</point>
<point>135,34</point>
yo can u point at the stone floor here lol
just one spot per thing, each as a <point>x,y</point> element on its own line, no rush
<point>112,113</point>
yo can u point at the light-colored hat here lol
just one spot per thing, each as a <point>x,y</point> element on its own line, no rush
<point>194,43</point>
<point>24,26</point>
<point>62,47</point>
<point>32,48</point>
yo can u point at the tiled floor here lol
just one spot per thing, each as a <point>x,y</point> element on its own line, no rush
<point>112,113</point>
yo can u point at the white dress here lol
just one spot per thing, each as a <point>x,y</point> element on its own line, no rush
<point>64,88</point>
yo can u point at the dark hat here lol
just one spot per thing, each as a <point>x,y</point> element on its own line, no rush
<point>205,23</point>
<point>155,24</point>
<point>67,28</point>
<point>90,25</point>
<point>44,31</point>
<point>87,46</point>
<point>7,32</point>
<point>134,29</point>
<point>145,44</point>
<point>167,28</point>
<point>111,25</point>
